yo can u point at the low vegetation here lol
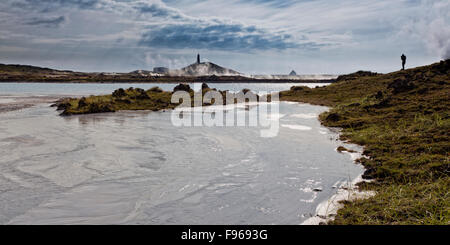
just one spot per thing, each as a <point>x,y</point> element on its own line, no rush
<point>403,121</point>
<point>122,99</point>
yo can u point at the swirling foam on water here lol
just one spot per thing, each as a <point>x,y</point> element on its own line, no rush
<point>136,168</point>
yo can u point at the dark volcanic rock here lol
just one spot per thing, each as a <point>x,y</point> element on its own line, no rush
<point>204,86</point>
<point>62,106</point>
<point>368,173</point>
<point>401,85</point>
<point>356,75</point>
<point>443,67</point>
<point>82,102</point>
<point>119,93</point>
<point>182,87</point>
<point>379,95</point>
<point>156,89</point>
<point>96,108</point>
<point>299,88</point>
<point>333,117</point>
<point>143,96</point>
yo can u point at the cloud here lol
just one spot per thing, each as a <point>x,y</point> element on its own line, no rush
<point>275,3</point>
<point>436,30</point>
<point>217,36</point>
<point>432,27</point>
<point>438,37</point>
<point>47,21</point>
<point>50,5</point>
<point>167,27</point>
<point>266,35</point>
<point>158,10</point>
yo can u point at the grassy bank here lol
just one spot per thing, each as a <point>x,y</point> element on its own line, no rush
<point>403,121</point>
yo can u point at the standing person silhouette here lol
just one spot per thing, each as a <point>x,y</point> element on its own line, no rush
<point>403,57</point>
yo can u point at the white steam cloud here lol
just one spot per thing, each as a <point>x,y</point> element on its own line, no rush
<point>438,38</point>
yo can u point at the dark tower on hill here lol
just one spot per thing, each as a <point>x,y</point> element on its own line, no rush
<point>198,58</point>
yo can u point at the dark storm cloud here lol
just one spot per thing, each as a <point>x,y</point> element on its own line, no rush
<point>215,36</point>
<point>178,31</point>
<point>47,21</point>
<point>156,10</point>
<point>49,5</point>
<point>250,29</point>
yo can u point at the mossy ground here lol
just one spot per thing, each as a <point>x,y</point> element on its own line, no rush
<point>153,99</point>
<point>403,121</point>
<point>130,99</point>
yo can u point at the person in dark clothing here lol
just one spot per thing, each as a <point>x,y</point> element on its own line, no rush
<point>403,57</point>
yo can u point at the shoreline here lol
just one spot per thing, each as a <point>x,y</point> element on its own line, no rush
<point>327,210</point>
<point>15,103</point>
<point>171,82</point>
<point>345,191</point>
<point>401,120</point>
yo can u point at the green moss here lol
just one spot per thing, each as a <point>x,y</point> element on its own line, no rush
<point>342,149</point>
<point>130,99</point>
<point>153,99</point>
<point>403,121</point>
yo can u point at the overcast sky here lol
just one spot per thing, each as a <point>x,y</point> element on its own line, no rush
<point>251,36</point>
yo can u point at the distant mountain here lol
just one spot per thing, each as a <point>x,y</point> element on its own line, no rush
<point>293,73</point>
<point>204,69</point>
<point>28,69</point>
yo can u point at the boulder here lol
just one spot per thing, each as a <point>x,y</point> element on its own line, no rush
<point>62,106</point>
<point>97,108</point>
<point>156,89</point>
<point>299,88</point>
<point>182,87</point>
<point>333,117</point>
<point>401,85</point>
<point>142,96</point>
<point>82,102</point>
<point>119,93</point>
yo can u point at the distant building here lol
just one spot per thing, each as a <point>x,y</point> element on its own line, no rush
<point>198,58</point>
<point>293,73</point>
<point>161,70</point>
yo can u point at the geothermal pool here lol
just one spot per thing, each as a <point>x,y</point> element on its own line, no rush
<point>137,168</point>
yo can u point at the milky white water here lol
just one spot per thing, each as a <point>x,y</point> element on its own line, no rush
<point>107,88</point>
<point>136,168</point>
